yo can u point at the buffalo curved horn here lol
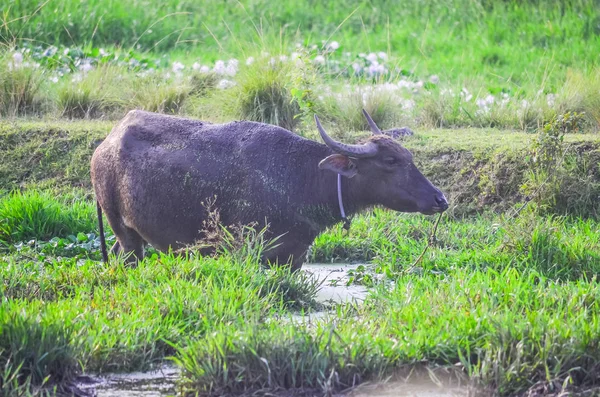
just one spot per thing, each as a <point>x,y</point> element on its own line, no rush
<point>367,150</point>
<point>374,129</point>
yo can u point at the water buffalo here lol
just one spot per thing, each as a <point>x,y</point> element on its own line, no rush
<point>153,172</point>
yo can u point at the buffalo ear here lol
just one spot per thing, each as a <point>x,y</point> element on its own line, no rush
<point>339,164</point>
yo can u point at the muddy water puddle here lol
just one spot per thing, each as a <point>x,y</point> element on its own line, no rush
<point>156,383</point>
<point>334,278</point>
<point>414,388</point>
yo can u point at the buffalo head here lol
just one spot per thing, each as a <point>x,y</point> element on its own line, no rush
<point>385,171</point>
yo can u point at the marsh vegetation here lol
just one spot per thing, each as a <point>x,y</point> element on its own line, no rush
<point>503,97</point>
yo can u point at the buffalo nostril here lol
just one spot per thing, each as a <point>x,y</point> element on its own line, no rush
<point>441,201</point>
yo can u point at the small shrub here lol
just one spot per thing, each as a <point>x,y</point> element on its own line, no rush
<point>562,179</point>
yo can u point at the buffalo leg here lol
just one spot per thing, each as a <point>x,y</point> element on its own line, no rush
<point>116,248</point>
<point>130,243</point>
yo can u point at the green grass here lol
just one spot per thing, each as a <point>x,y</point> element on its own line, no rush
<point>38,215</point>
<point>50,153</point>
<point>512,48</point>
<point>557,247</point>
<point>509,42</point>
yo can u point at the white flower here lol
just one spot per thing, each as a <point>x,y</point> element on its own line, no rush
<point>17,59</point>
<point>233,63</point>
<point>205,69</point>
<point>319,59</point>
<point>219,67</point>
<point>382,55</point>
<point>372,57</point>
<point>232,67</point>
<point>505,99</point>
<point>550,99</point>
<point>102,52</point>
<point>357,68</point>
<point>272,62</point>
<point>362,55</point>
<point>434,79</point>
<point>334,45</point>
<point>54,79</point>
<point>196,66</point>
<point>86,67</point>
<point>408,104</point>
<point>283,58</point>
<point>224,84</point>
<point>178,67</point>
<point>404,84</point>
<point>250,61</point>
<point>524,103</point>
<point>467,96</point>
<point>376,69</point>
<point>294,56</point>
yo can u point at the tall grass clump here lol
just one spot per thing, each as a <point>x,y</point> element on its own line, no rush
<point>245,245</point>
<point>273,357</point>
<point>344,109</point>
<point>20,84</point>
<point>33,353</point>
<point>162,95</point>
<point>39,215</point>
<point>262,93</point>
<point>95,94</point>
<point>581,94</point>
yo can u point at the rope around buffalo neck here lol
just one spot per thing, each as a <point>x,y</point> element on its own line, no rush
<point>341,203</point>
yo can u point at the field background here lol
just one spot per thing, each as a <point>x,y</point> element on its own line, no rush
<point>504,100</point>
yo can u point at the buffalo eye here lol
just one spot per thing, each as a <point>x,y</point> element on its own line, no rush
<point>390,160</point>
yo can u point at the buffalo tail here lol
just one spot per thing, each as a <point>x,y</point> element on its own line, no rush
<point>101,229</point>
